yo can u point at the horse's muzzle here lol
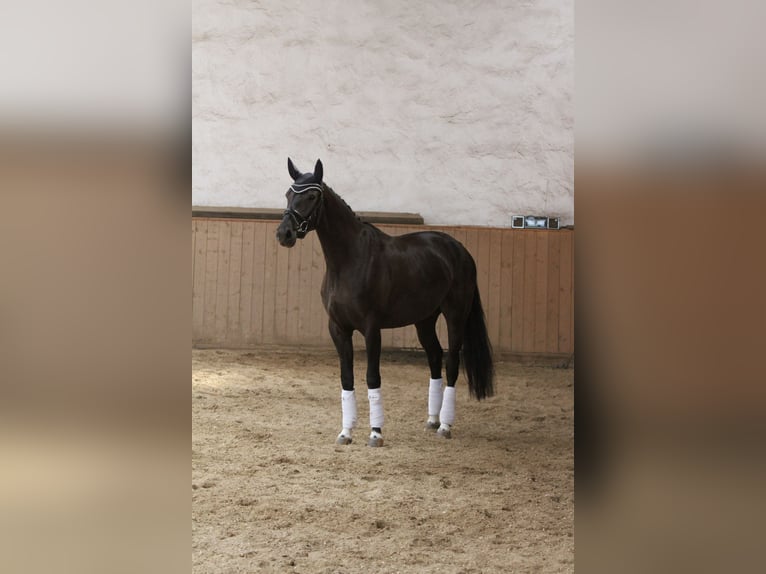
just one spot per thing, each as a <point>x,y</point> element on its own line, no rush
<point>286,233</point>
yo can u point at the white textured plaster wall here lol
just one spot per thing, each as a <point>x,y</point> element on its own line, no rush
<point>461,111</point>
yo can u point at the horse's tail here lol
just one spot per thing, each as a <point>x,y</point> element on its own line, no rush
<point>477,352</point>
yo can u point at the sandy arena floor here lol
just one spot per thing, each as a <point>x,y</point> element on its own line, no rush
<point>271,491</point>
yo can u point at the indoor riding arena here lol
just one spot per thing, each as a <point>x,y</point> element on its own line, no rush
<point>427,116</point>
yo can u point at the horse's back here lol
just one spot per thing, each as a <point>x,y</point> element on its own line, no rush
<point>435,244</point>
<point>422,269</point>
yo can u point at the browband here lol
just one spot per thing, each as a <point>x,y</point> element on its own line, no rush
<point>304,187</point>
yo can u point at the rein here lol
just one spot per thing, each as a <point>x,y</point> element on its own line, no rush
<point>305,223</point>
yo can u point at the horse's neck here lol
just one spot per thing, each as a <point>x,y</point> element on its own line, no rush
<point>338,230</point>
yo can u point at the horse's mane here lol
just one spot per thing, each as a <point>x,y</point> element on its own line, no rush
<point>343,201</point>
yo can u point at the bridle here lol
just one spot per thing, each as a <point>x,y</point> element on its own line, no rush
<point>305,223</point>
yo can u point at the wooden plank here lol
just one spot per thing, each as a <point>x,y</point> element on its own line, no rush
<point>211,282</point>
<point>304,291</point>
<point>222,277</point>
<point>268,307</point>
<point>494,263</point>
<point>565,293</point>
<point>472,244</point>
<point>572,295</point>
<point>530,282</point>
<point>246,213</point>
<point>552,304</point>
<point>541,290</point>
<point>483,264</point>
<point>234,326</point>
<point>198,291</point>
<point>274,214</point>
<point>280,294</point>
<point>517,295</point>
<point>258,300</point>
<point>247,280</point>
<point>506,287</point>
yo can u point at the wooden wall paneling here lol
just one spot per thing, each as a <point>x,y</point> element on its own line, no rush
<point>506,290</point>
<point>304,294</point>
<point>260,273</point>
<point>268,305</point>
<point>472,244</point>
<point>246,283</point>
<point>247,290</point>
<point>494,263</point>
<point>211,281</point>
<point>280,300</point>
<point>552,303</point>
<point>222,278</point>
<point>541,290</point>
<point>198,289</point>
<point>483,264</point>
<point>565,293</point>
<point>234,325</point>
<point>530,281</point>
<point>517,294</point>
<point>571,295</point>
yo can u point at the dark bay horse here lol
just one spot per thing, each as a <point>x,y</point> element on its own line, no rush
<point>374,281</point>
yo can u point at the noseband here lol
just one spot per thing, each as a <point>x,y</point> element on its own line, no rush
<point>305,223</point>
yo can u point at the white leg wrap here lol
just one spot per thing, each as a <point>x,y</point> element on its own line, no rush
<point>376,408</point>
<point>435,392</point>
<point>348,407</point>
<point>447,413</point>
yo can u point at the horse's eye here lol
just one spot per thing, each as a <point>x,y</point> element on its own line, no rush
<point>312,197</point>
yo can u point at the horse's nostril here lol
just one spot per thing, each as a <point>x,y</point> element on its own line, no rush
<point>288,234</point>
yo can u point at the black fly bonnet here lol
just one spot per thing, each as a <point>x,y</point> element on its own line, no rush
<point>305,223</point>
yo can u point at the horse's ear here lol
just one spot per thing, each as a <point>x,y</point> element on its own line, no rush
<point>294,173</point>
<point>318,171</point>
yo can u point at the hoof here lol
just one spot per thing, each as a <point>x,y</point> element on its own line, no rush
<point>342,439</point>
<point>375,441</point>
<point>431,426</point>
<point>444,432</point>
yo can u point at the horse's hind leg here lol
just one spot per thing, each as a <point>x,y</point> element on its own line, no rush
<point>342,339</point>
<point>430,342</point>
<point>456,320</point>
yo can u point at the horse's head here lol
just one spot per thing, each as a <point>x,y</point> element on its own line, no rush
<point>304,204</point>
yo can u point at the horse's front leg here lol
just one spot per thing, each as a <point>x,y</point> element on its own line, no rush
<point>342,339</point>
<point>372,343</point>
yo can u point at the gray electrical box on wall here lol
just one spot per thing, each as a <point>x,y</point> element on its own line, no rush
<point>534,222</point>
